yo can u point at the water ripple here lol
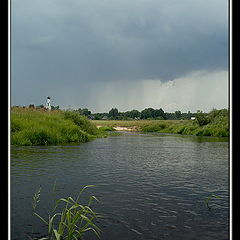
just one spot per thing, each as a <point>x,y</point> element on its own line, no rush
<point>150,187</point>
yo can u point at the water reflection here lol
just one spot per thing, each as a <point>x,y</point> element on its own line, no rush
<point>150,187</point>
<point>190,137</point>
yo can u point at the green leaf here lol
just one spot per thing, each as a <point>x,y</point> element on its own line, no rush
<point>57,235</point>
<point>51,221</point>
<point>40,218</point>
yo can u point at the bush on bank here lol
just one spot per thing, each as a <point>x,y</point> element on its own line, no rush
<point>81,121</point>
<point>36,127</point>
<point>214,123</point>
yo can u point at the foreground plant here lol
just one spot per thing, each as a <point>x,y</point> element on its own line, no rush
<point>209,199</point>
<point>73,221</point>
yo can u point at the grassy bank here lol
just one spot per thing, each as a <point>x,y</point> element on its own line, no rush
<point>215,123</point>
<point>38,127</point>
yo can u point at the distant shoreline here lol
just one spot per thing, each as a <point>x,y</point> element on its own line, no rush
<point>218,128</point>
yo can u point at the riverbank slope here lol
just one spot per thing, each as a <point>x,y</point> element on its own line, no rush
<point>30,126</point>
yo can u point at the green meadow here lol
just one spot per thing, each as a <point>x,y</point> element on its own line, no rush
<point>31,126</point>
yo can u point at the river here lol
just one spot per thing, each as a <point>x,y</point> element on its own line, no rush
<point>149,186</point>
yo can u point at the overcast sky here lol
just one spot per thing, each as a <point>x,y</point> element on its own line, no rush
<point>129,54</point>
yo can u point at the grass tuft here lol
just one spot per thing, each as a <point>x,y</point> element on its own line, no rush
<point>70,219</point>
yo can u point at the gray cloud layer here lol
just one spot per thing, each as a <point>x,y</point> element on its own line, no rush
<point>59,42</point>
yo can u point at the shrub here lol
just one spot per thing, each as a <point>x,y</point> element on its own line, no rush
<point>199,132</point>
<point>202,118</point>
<point>207,132</point>
<point>81,121</point>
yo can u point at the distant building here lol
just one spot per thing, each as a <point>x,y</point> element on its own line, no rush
<point>104,117</point>
<point>48,105</point>
<point>192,118</point>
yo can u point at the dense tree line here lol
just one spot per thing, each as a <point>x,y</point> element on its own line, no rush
<point>147,113</point>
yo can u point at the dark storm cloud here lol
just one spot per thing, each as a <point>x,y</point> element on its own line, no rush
<point>79,41</point>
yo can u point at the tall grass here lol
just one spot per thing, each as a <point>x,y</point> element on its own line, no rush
<point>36,127</point>
<point>71,220</point>
<point>81,121</point>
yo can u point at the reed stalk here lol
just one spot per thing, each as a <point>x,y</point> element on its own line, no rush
<point>69,219</point>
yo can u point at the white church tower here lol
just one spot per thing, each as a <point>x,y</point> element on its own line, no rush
<point>48,105</point>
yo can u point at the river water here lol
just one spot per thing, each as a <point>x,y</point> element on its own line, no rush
<point>149,186</point>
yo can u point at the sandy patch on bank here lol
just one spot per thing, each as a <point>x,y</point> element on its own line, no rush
<point>131,129</point>
<point>125,128</point>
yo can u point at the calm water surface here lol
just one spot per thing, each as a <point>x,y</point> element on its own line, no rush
<point>149,186</point>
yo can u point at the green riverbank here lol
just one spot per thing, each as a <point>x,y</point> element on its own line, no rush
<point>214,123</point>
<point>30,127</point>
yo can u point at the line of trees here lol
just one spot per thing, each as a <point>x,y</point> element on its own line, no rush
<point>147,113</point>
